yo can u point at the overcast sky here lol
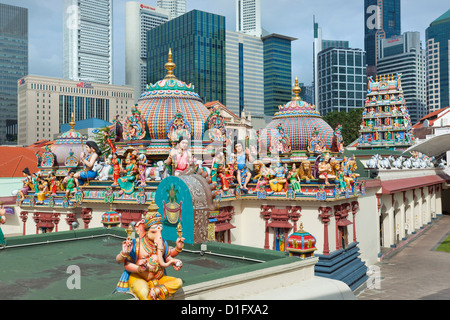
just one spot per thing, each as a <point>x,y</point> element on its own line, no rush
<point>339,20</point>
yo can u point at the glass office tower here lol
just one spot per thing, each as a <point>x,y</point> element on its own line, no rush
<point>382,21</point>
<point>197,40</point>
<point>438,57</point>
<point>13,66</point>
<point>342,79</point>
<point>277,72</point>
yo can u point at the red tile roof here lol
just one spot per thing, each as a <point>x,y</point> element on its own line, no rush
<point>14,159</point>
<point>432,117</point>
<point>394,186</point>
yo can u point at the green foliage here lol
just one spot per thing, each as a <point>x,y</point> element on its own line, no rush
<point>350,121</point>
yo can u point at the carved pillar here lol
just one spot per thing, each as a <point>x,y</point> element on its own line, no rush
<point>70,219</point>
<point>36,218</point>
<point>337,216</point>
<point>86,215</point>
<point>24,218</point>
<point>55,220</point>
<point>325,216</point>
<point>294,214</point>
<point>266,213</point>
<point>355,208</point>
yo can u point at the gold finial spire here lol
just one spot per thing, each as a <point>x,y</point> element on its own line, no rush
<point>170,66</point>
<point>297,91</point>
<point>72,123</point>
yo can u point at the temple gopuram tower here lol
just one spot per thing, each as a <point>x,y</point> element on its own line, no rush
<point>386,124</point>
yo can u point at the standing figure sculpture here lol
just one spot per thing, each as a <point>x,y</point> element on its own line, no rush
<point>146,258</point>
<point>117,168</point>
<point>294,179</point>
<point>88,158</point>
<point>2,221</point>
<point>180,157</point>
<point>241,157</point>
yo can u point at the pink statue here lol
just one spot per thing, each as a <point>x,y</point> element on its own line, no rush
<point>146,258</point>
<point>180,157</point>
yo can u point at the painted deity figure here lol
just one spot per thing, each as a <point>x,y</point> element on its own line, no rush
<point>117,168</point>
<point>338,142</point>
<point>2,221</point>
<point>88,158</point>
<point>180,158</point>
<point>27,184</point>
<point>127,182</point>
<point>53,183</point>
<point>71,183</point>
<point>277,184</point>
<point>325,171</point>
<point>146,258</point>
<point>142,167</point>
<point>241,157</point>
<point>43,190</point>
<point>263,175</point>
<point>217,163</point>
<point>294,179</point>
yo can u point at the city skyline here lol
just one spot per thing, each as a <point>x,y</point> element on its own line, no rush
<point>45,36</point>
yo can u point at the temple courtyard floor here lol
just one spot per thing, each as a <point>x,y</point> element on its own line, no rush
<point>416,271</point>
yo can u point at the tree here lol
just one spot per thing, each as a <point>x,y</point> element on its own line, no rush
<point>350,121</point>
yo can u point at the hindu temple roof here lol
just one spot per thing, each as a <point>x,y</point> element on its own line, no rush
<point>300,121</point>
<point>168,98</point>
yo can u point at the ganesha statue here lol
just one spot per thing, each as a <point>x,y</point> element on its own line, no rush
<point>146,258</point>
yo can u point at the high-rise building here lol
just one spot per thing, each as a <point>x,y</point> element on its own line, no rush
<point>175,7</point>
<point>320,44</point>
<point>248,17</point>
<point>382,21</point>
<point>404,55</point>
<point>438,62</point>
<point>341,79</point>
<point>139,18</point>
<point>46,103</point>
<point>13,66</point>
<point>245,74</point>
<point>87,40</point>
<point>277,72</point>
<point>197,40</point>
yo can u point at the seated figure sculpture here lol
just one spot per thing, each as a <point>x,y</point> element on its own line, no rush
<point>146,258</point>
<point>277,184</point>
<point>325,170</point>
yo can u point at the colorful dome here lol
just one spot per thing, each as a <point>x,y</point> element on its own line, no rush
<point>300,121</point>
<point>301,243</point>
<point>111,219</point>
<point>166,99</point>
<point>68,147</point>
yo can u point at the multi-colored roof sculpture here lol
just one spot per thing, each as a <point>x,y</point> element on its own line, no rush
<point>386,123</point>
<point>301,122</point>
<point>168,99</point>
<point>68,146</point>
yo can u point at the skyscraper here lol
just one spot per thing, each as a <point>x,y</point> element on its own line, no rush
<point>175,7</point>
<point>248,17</point>
<point>245,74</point>
<point>404,55</point>
<point>197,40</point>
<point>277,72</point>
<point>342,79</point>
<point>139,18</point>
<point>87,41</point>
<point>13,66</point>
<point>319,45</point>
<point>438,57</point>
<point>382,21</point>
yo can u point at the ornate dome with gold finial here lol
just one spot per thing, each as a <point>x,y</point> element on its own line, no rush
<point>68,146</point>
<point>163,100</point>
<point>300,121</point>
